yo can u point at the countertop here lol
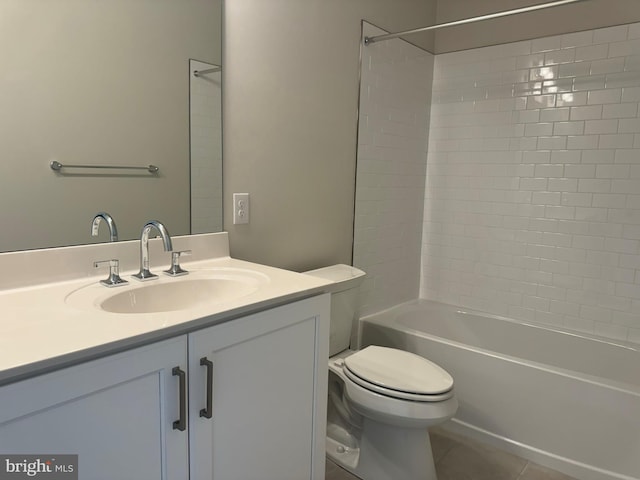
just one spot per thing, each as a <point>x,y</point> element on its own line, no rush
<point>41,332</point>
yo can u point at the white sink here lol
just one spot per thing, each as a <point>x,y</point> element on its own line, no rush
<point>168,294</point>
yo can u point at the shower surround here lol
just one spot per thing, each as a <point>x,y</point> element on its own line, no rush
<point>395,99</point>
<point>531,208</point>
<point>532,203</point>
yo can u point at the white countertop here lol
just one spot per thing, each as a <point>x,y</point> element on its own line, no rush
<point>40,331</point>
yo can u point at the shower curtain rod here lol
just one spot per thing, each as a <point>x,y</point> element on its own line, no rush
<point>506,13</point>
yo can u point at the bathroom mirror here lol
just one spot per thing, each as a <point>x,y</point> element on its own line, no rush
<point>89,82</point>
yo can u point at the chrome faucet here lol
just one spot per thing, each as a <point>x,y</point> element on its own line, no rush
<point>144,273</point>
<point>108,219</point>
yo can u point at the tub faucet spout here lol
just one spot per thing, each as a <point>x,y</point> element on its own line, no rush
<point>144,273</point>
<point>108,219</point>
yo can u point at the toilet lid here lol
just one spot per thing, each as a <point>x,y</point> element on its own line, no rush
<point>398,370</point>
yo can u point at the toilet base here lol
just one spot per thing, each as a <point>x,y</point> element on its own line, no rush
<point>346,457</point>
<point>386,452</point>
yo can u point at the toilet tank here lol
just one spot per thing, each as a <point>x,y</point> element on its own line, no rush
<point>344,302</point>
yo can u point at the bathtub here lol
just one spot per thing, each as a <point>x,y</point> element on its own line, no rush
<point>560,399</point>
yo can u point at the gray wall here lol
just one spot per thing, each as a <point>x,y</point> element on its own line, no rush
<point>290,107</point>
<point>290,122</point>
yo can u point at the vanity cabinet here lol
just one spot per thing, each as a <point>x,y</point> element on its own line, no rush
<point>254,393</point>
<point>115,413</point>
<point>267,394</point>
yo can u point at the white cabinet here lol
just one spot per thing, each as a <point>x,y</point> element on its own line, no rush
<point>268,395</point>
<point>264,377</point>
<point>116,413</point>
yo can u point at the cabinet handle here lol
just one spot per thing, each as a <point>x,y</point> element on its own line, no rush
<point>208,412</point>
<point>181,424</point>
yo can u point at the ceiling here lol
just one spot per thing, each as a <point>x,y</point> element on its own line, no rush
<point>585,15</point>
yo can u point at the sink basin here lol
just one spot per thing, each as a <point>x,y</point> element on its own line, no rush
<point>167,297</point>
<point>169,294</point>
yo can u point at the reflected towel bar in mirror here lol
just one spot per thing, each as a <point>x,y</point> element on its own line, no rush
<point>59,166</point>
<point>197,73</point>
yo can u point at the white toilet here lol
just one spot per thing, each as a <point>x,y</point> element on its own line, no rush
<point>381,400</point>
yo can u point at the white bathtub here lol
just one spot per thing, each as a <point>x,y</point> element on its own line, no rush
<point>567,401</point>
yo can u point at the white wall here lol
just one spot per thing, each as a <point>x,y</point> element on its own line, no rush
<point>532,205</point>
<point>290,122</point>
<point>392,156</point>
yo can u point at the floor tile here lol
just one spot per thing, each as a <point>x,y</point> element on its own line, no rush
<point>477,462</point>
<point>537,472</point>
<point>441,444</point>
<point>334,472</point>
<point>461,458</point>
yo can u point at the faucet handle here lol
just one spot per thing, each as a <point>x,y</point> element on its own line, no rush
<point>114,279</point>
<point>175,269</point>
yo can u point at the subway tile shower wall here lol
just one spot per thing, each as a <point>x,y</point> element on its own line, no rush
<point>395,98</point>
<point>532,201</point>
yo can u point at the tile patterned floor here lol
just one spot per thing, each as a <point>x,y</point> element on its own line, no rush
<point>459,458</point>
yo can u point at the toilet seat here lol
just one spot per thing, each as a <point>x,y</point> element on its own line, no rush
<point>387,408</point>
<point>398,374</point>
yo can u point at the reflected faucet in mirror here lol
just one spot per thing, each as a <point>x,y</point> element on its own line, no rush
<point>108,219</point>
<point>144,274</point>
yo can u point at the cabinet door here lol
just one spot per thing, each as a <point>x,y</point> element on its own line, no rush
<point>116,413</point>
<point>269,395</point>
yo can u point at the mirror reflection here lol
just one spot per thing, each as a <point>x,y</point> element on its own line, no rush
<point>87,82</point>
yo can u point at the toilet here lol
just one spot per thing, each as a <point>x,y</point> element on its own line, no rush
<point>382,401</point>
